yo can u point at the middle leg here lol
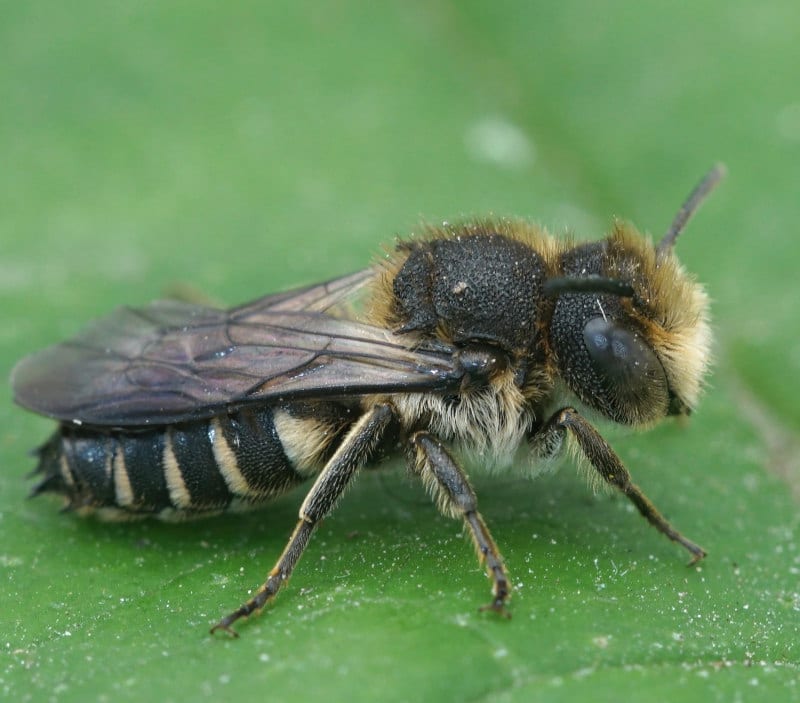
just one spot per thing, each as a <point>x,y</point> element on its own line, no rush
<point>455,498</point>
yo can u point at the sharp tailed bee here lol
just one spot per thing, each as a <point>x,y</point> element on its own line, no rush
<point>489,338</point>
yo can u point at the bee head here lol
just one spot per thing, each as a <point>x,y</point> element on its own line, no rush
<point>630,328</point>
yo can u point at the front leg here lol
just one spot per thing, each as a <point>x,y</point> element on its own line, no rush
<point>455,498</point>
<point>549,439</point>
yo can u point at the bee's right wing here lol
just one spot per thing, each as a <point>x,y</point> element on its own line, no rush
<point>173,362</point>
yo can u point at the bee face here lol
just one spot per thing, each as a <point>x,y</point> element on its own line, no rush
<point>634,358</point>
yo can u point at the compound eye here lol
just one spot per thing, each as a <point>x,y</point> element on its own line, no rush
<point>633,377</point>
<point>618,355</point>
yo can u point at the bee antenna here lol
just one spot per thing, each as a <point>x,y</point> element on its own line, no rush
<point>690,206</point>
<point>587,284</point>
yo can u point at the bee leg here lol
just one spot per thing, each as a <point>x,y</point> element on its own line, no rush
<point>605,461</point>
<point>354,451</point>
<point>455,498</point>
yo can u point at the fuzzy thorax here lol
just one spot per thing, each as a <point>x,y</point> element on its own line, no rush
<point>487,424</point>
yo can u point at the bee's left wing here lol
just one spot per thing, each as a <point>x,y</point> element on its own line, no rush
<point>173,362</point>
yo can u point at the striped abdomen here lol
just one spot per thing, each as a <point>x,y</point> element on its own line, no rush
<point>237,460</point>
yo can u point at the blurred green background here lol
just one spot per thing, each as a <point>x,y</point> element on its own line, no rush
<point>245,147</point>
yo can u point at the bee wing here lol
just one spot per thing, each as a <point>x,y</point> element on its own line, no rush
<point>319,297</point>
<point>173,361</point>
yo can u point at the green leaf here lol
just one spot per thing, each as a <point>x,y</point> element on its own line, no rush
<point>242,148</point>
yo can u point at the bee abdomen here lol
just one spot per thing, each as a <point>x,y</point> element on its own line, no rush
<point>231,461</point>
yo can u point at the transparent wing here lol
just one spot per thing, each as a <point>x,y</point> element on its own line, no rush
<point>318,297</point>
<point>173,361</point>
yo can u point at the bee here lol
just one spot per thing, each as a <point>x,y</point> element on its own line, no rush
<point>488,338</point>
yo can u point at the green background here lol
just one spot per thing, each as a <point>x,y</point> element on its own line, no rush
<point>241,148</point>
